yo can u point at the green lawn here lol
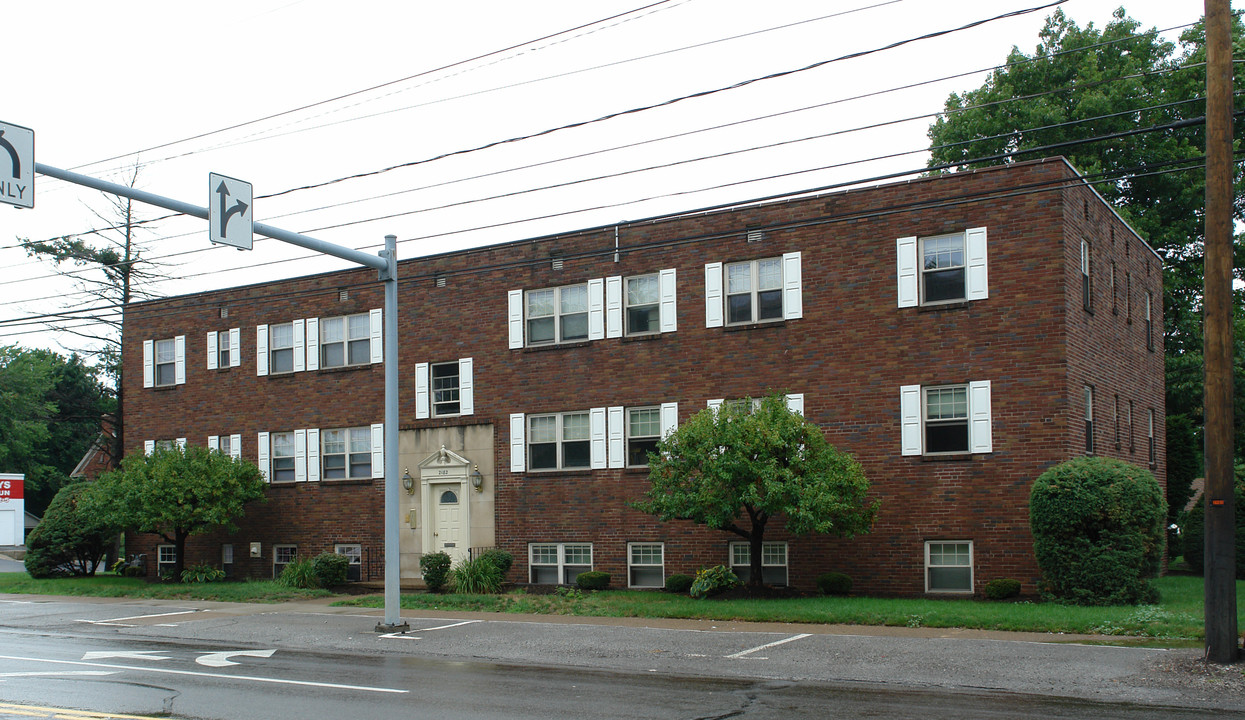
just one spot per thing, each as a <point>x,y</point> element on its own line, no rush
<point>1177,620</point>
<point>108,585</point>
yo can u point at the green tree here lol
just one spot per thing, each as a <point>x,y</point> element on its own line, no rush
<point>736,468</point>
<point>69,539</point>
<point>1067,91</point>
<point>51,408</point>
<point>177,492</point>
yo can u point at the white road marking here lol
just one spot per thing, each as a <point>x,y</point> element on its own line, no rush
<point>138,617</point>
<point>404,636</point>
<point>193,673</point>
<point>769,645</point>
<point>221,659</point>
<point>127,655</point>
<point>54,673</point>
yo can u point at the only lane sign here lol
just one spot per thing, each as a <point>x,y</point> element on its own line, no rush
<point>17,165</point>
<point>230,218</point>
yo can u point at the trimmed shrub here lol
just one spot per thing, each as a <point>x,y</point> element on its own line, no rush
<point>1193,531</point>
<point>500,559</point>
<point>330,569</point>
<point>202,573</point>
<point>479,576</point>
<point>436,569</point>
<point>299,574</point>
<point>1001,589</point>
<point>679,583</point>
<point>68,540</point>
<point>713,580</point>
<point>1097,532</point>
<point>834,583</point>
<point>593,580</point>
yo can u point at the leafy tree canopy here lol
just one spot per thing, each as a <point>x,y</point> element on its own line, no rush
<point>177,492</point>
<point>737,467</point>
<point>68,540</point>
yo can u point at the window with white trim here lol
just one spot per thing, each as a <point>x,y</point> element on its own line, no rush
<point>636,305</point>
<point>559,441</point>
<point>643,434</point>
<point>226,559</point>
<point>444,389</point>
<point>754,291</point>
<point>166,559</point>
<point>1150,441</point>
<point>164,362</point>
<point>643,304</point>
<point>942,268</point>
<point>773,562</point>
<point>556,315</point>
<point>354,557</point>
<point>795,403</point>
<point>946,419</point>
<point>1087,283</point>
<point>646,565</point>
<point>223,349</point>
<point>281,348</point>
<point>949,566</point>
<point>1089,419</point>
<point>282,555</point>
<point>345,340</point>
<point>1149,323</point>
<point>346,453</point>
<point>282,456</point>
<point>558,563</point>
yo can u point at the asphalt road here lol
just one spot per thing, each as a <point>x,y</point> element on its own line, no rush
<point>217,660</point>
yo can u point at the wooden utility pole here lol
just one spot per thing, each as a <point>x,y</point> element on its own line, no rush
<point>1220,584</point>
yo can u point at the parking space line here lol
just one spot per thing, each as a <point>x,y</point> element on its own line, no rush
<point>769,645</point>
<point>408,636</point>
<point>119,620</point>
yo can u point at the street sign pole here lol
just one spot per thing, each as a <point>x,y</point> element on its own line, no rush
<point>387,263</point>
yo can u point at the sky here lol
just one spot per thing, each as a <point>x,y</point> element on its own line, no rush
<point>392,100</point>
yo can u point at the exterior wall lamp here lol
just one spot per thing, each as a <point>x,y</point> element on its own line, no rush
<point>477,480</point>
<point>407,481</point>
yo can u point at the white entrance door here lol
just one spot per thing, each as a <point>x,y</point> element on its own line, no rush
<point>449,532</point>
<point>8,528</point>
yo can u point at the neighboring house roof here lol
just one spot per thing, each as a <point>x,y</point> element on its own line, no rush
<point>31,522</point>
<point>1195,496</point>
<point>96,460</point>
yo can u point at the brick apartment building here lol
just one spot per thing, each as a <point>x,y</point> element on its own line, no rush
<point>959,335</point>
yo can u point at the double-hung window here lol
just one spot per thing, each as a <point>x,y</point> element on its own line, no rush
<point>946,419</point>
<point>1150,441</point>
<point>223,349</point>
<point>227,445</point>
<point>949,566</point>
<point>558,563</point>
<point>1087,284</point>
<point>1089,420</point>
<point>1149,323</point>
<point>345,341</point>
<point>643,433</point>
<point>444,389</point>
<point>281,348</point>
<point>646,567</point>
<point>557,315</point>
<point>164,362</point>
<point>773,562</point>
<point>942,268</point>
<point>282,457</point>
<point>166,559</point>
<point>282,555</point>
<point>643,298</point>
<point>354,557</point>
<point>560,441</point>
<point>346,453</point>
<point>753,291</point>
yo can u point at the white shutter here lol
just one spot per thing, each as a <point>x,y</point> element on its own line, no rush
<point>975,257</point>
<point>617,437</point>
<point>613,306</point>
<point>211,350</point>
<point>517,441</point>
<point>792,297</point>
<point>300,456</point>
<point>149,447</point>
<point>980,432</point>
<point>514,314</point>
<point>149,366</point>
<point>669,418</point>
<point>596,435</point>
<point>262,445</point>
<point>795,403</point>
<point>376,321</point>
<point>715,404</point>
<point>669,309</point>
<point>910,419</point>
<point>378,451</point>
<point>181,443</point>
<point>300,345</point>
<point>179,350</point>
<point>466,386</point>
<point>261,350</point>
<point>906,266</point>
<point>235,347</point>
<point>313,343</point>
<point>596,309</point>
<point>214,442</point>
<point>713,294</point>
<point>235,447</point>
<point>313,455</point>
<point>421,391</point>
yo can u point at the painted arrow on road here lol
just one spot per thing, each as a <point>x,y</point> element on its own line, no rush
<point>238,209</point>
<point>221,659</point>
<point>135,655</point>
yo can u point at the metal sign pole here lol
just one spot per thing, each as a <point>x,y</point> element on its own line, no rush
<point>387,263</point>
